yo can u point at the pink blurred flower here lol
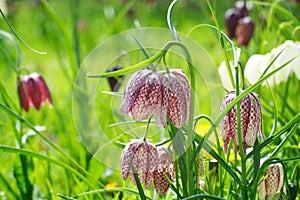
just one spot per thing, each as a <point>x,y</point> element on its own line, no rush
<point>33,91</point>
<point>143,156</point>
<point>165,167</point>
<point>250,120</point>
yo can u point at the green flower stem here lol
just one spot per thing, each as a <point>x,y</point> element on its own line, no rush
<point>241,147</point>
<point>139,65</point>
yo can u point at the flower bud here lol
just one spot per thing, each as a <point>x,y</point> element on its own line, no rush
<point>244,31</point>
<point>33,91</point>
<point>114,82</point>
<point>165,167</point>
<point>272,181</point>
<point>250,112</point>
<point>143,157</point>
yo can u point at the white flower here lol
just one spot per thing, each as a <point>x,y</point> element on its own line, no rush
<point>257,63</point>
<point>226,83</point>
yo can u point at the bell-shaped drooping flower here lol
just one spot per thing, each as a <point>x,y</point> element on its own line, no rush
<point>179,97</point>
<point>33,91</point>
<point>160,93</point>
<point>146,94</point>
<point>272,181</point>
<point>244,31</point>
<point>250,112</point>
<point>142,155</point>
<point>164,167</point>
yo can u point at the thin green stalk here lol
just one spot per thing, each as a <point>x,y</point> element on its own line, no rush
<point>240,140</point>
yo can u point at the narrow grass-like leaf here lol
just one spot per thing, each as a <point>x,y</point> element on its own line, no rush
<point>116,189</point>
<point>220,160</point>
<point>138,183</point>
<point>65,197</point>
<point>6,184</point>
<point>283,141</point>
<point>203,196</point>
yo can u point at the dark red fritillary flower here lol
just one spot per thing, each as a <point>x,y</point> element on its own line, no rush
<point>272,181</point>
<point>143,156</point>
<point>33,91</point>
<point>244,31</point>
<point>160,93</point>
<point>232,17</point>
<point>250,120</point>
<point>165,167</point>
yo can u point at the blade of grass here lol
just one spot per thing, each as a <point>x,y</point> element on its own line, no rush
<point>138,183</point>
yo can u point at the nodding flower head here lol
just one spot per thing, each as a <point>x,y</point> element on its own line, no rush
<point>250,111</point>
<point>142,155</point>
<point>272,181</point>
<point>160,93</point>
<point>33,91</point>
<point>244,31</point>
<point>165,167</point>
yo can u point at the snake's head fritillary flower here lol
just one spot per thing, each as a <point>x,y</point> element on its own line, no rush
<point>165,167</point>
<point>160,93</point>
<point>33,91</point>
<point>114,82</point>
<point>242,6</point>
<point>146,94</point>
<point>179,97</point>
<point>250,111</point>
<point>143,157</point>
<point>272,181</point>
<point>232,17</point>
<point>244,31</point>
